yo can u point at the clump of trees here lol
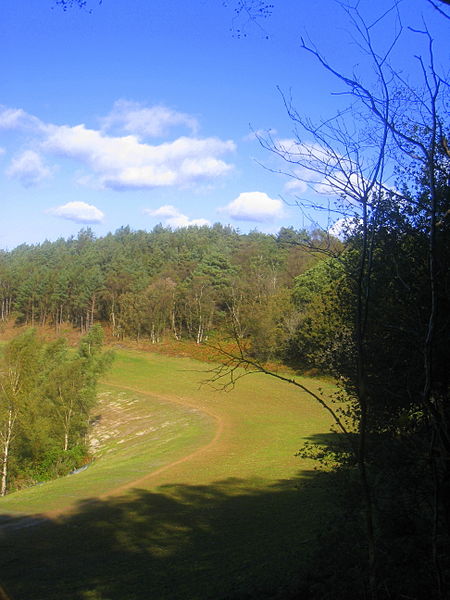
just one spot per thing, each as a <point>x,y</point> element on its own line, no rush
<point>47,392</point>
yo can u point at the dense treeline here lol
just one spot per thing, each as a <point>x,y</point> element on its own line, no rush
<point>47,392</point>
<point>184,283</point>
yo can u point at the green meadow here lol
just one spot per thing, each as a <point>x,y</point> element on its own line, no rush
<point>193,493</point>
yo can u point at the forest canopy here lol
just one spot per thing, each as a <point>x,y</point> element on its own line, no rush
<point>186,283</point>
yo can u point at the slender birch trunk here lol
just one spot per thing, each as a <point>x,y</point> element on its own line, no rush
<point>7,439</point>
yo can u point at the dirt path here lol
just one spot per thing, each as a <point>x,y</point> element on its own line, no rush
<point>183,402</point>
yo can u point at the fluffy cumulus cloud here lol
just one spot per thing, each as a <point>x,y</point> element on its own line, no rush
<point>28,168</point>
<point>80,212</point>
<point>254,206</point>
<point>143,121</point>
<point>124,162</point>
<point>172,217</point>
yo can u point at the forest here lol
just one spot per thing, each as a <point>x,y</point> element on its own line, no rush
<point>150,285</point>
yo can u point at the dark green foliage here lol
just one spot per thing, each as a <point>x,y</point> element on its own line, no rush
<point>187,283</point>
<point>403,387</point>
<point>50,464</point>
<point>320,327</point>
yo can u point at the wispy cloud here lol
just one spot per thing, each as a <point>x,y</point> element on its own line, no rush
<point>172,217</point>
<point>146,121</point>
<point>28,168</point>
<point>17,118</point>
<point>323,170</point>
<point>254,206</point>
<point>297,186</point>
<point>80,212</point>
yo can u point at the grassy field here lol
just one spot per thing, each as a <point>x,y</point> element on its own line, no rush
<point>194,493</point>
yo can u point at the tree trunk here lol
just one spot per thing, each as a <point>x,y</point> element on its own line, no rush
<point>4,468</point>
<point>113,317</point>
<point>91,315</point>
<point>200,330</point>
<point>174,325</point>
<point>6,445</point>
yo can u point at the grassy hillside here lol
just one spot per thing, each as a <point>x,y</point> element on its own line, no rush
<point>194,493</point>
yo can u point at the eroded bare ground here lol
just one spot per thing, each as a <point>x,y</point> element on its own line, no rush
<point>121,417</point>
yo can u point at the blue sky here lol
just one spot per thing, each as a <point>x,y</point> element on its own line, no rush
<point>139,112</point>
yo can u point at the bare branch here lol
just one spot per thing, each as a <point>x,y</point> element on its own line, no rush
<point>237,366</point>
<point>439,9</point>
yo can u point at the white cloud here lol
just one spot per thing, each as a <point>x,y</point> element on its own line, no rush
<point>254,206</point>
<point>338,228</point>
<point>344,227</point>
<point>28,168</point>
<point>2,151</point>
<point>352,185</point>
<point>302,179</point>
<point>153,121</point>
<point>166,212</point>
<point>126,163</point>
<point>80,212</point>
<point>323,169</point>
<point>288,146</point>
<point>17,118</point>
<point>173,217</point>
<point>296,186</point>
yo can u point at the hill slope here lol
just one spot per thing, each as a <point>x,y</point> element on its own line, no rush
<point>194,494</point>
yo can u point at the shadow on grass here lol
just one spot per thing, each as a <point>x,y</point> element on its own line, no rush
<point>234,539</point>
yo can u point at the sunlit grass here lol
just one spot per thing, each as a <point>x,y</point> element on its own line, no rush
<point>147,433</point>
<point>194,494</point>
<point>263,423</point>
<point>264,420</point>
